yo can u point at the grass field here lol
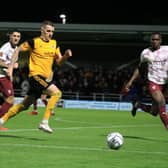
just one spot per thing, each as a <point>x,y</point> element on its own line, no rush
<point>79,141</point>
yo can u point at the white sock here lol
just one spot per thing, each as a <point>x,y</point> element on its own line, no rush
<point>45,121</point>
<point>1,121</point>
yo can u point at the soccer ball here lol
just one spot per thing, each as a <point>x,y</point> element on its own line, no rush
<point>115,140</point>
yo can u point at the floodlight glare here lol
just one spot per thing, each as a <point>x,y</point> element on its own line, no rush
<point>63,17</point>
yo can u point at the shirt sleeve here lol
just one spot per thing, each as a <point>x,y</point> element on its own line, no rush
<point>57,52</point>
<point>27,45</point>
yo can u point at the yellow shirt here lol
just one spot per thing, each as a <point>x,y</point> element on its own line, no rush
<point>42,56</point>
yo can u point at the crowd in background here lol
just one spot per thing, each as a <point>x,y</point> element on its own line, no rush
<point>93,79</point>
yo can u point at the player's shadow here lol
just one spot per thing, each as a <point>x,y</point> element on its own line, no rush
<point>146,139</point>
<point>21,137</point>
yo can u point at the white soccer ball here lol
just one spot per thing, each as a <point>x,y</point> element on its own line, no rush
<point>115,140</point>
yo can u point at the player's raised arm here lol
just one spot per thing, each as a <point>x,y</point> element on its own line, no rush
<point>61,59</point>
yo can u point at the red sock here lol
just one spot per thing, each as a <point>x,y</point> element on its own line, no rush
<point>4,108</point>
<point>163,116</point>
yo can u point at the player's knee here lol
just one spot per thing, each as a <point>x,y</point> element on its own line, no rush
<point>22,107</point>
<point>57,94</point>
<point>25,106</point>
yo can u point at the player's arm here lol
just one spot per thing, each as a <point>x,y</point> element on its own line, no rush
<point>2,59</point>
<point>147,56</point>
<point>139,71</point>
<point>12,63</point>
<point>61,59</point>
<point>23,47</point>
<point>135,75</point>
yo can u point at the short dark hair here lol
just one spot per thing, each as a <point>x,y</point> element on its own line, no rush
<point>10,31</point>
<point>47,22</point>
<point>157,33</point>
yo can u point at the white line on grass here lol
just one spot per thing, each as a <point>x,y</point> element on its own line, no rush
<point>90,127</point>
<point>71,121</point>
<point>83,122</point>
<point>81,148</point>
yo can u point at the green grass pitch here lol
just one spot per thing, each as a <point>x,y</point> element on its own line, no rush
<point>79,140</point>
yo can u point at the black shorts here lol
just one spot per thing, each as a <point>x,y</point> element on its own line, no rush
<point>37,85</point>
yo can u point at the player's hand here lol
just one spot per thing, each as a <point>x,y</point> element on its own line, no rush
<point>16,65</point>
<point>68,53</point>
<point>126,88</point>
